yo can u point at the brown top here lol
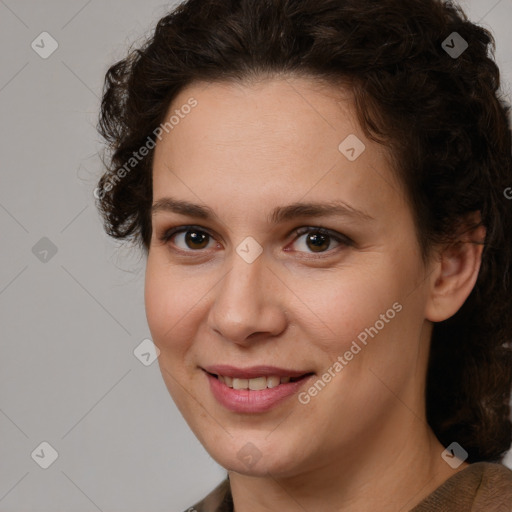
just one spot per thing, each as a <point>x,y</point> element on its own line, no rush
<point>481,487</point>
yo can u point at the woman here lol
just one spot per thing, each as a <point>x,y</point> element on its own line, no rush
<point>319,187</point>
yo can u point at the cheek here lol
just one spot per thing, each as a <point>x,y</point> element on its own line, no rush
<point>342,306</point>
<point>166,313</point>
<point>167,305</point>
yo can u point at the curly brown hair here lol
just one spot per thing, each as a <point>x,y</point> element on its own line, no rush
<point>441,115</point>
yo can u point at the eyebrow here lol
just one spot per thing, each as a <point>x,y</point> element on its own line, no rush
<point>278,214</point>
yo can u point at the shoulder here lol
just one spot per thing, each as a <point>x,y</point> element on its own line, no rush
<point>219,500</point>
<point>482,486</point>
<point>495,490</point>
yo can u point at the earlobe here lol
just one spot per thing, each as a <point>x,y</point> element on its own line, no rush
<point>454,276</point>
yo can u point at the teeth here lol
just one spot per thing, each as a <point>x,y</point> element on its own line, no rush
<point>256,384</point>
<point>241,383</point>
<point>272,382</point>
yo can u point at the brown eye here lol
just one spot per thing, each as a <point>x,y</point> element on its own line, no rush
<point>193,239</point>
<point>319,240</point>
<point>196,239</point>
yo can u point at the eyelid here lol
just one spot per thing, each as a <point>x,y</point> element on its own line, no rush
<point>342,239</point>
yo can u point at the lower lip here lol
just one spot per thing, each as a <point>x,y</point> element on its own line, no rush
<point>249,401</point>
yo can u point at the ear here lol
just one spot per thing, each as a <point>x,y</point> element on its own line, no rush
<point>455,270</point>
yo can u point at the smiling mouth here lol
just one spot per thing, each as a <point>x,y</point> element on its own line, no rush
<point>257,383</point>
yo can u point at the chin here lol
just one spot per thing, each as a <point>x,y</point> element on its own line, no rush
<point>251,456</point>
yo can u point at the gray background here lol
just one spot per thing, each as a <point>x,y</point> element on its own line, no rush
<point>70,324</point>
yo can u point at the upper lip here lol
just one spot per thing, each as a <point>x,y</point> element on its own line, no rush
<point>252,372</point>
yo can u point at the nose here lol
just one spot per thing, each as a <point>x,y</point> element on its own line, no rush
<point>249,303</point>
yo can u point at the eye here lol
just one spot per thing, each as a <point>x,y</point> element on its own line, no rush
<point>319,239</point>
<point>193,238</point>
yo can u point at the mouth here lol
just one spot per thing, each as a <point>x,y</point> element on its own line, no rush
<point>257,389</point>
<point>258,383</point>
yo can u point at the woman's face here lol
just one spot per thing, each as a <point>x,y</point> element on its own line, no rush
<point>239,293</point>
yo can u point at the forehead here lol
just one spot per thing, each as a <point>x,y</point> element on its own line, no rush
<point>275,139</point>
<point>273,118</point>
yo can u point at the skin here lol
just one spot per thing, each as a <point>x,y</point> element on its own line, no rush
<point>362,441</point>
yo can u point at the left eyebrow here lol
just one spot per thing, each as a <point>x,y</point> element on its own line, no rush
<point>333,208</point>
<point>278,215</point>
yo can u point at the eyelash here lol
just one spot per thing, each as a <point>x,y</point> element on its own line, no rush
<point>166,237</point>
